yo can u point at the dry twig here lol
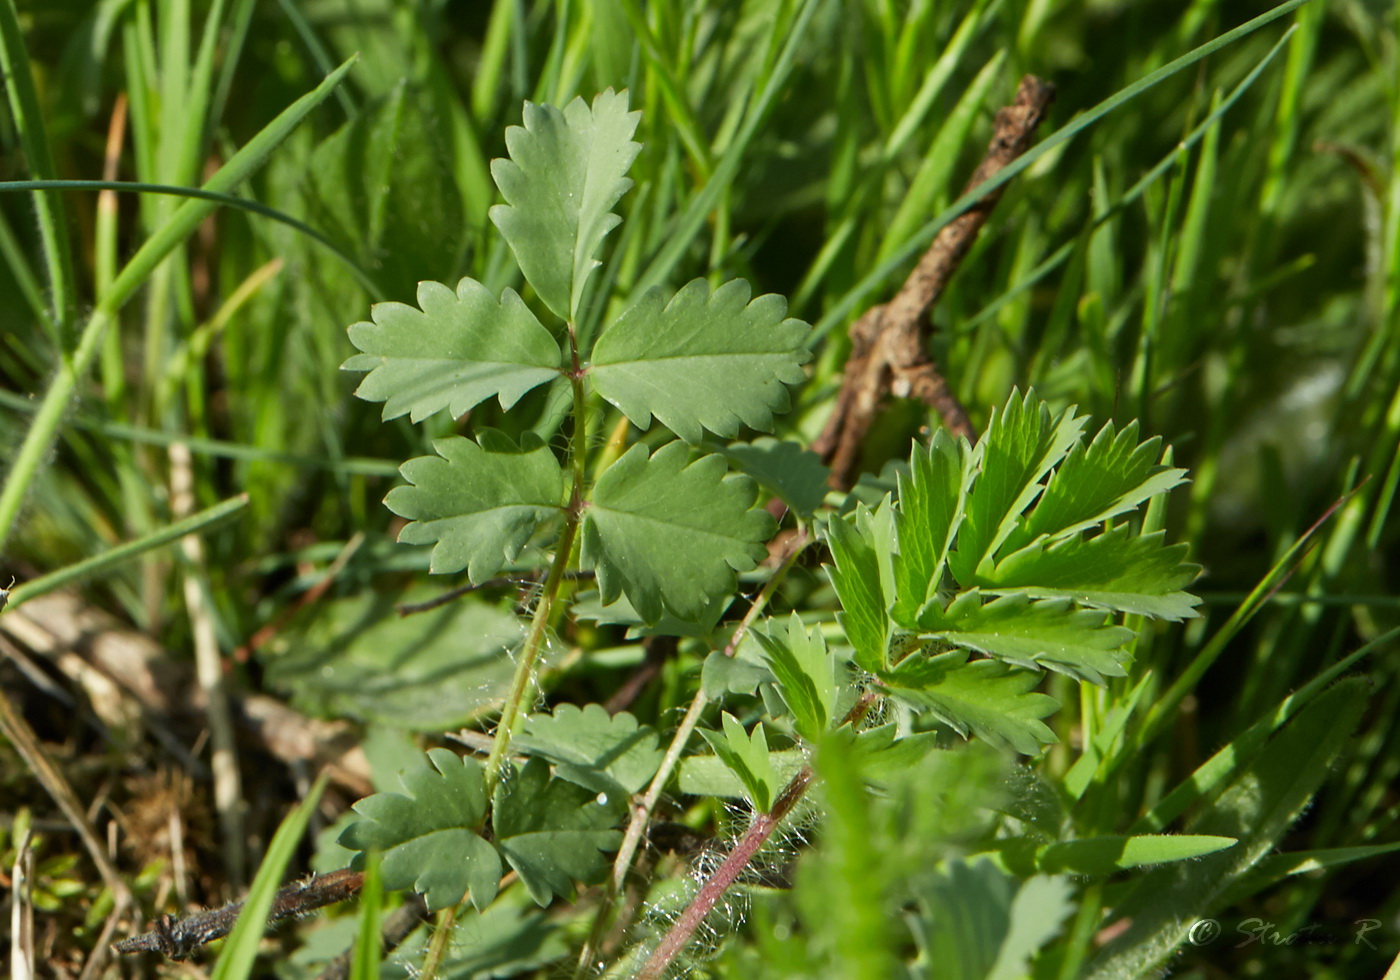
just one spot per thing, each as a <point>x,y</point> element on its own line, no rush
<point>889,343</point>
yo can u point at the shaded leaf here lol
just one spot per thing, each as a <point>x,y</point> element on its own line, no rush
<point>357,657</point>
<point>983,697</point>
<point>671,533</point>
<point>552,831</point>
<point>455,352</point>
<point>566,171</point>
<point>795,474</point>
<point>428,837</point>
<point>715,361</point>
<point>478,503</point>
<point>585,741</point>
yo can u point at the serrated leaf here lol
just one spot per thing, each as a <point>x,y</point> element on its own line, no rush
<point>739,674</point>
<point>863,576</point>
<point>984,697</point>
<point>671,533</point>
<point>701,360</point>
<point>552,831</point>
<point>566,171</point>
<point>1020,446</point>
<point>478,503</point>
<point>455,351</point>
<point>1112,570</point>
<point>428,837</point>
<point>1110,476</point>
<point>931,498</point>
<point>806,675</point>
<point>795,474</point>
<point>1049,633</point>
<point>746,754</point>
<point>585,741</point>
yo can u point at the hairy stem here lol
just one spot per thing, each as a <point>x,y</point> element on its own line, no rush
<point>643,808</point>
<point>744,851</point>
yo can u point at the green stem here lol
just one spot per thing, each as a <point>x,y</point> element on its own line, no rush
<point>539,624</point>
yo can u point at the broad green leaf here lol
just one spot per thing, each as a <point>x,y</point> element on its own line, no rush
<point>1020,446</point>
<point>931,498</point>
<point>863,576</point>
<point>746,754</point>
<point>671,533</point>
<point>552,831</point>
<point>478,503</point>
<point>428,838</point>
<point>1112,570</point>
<point>1037,915</point>
<point>583,742</point>
<point>795,474</point>
<point>983,697</point>
<point>357,657</point>
<point>964,916</point>
<point>453,351</point>
<point>1049,633</point>
<point>1110,476</point>
<point>806,675</point>
<point>566,171</point>
<point>715,361</point>
<point>1257,808</point>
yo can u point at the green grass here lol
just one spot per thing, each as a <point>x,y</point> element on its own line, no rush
<point>1218,257</point>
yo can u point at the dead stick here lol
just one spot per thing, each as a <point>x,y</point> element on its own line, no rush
<point>889,343</point>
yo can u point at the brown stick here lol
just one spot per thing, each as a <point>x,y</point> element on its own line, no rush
<point>889,343</point>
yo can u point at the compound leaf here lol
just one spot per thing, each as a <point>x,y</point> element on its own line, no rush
<point>715,361</point>
<point>1110,476</point>
<point>552,831</point>
<point>806,675</point>
<point>454,351</point>
<point>670,533</point>
<point>566,171</point>
<point>478,502</point>
<point>1112,570</point>
<point>931,498</point>
<point>1020,446</point>
<point>985,697</point>
<point>863,576</point>
<point>746,755</point>
<point>427,837</point>
<point>584,742</point>
<point>1048,633</point>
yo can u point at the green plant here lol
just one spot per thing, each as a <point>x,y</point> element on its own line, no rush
<point>988,566</point>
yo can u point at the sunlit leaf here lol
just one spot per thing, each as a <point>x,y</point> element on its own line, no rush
<point>716,361</point>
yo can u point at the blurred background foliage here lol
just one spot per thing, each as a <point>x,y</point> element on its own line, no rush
<point>1239,295</point>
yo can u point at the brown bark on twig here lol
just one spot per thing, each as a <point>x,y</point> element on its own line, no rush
<point>889,343</point>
